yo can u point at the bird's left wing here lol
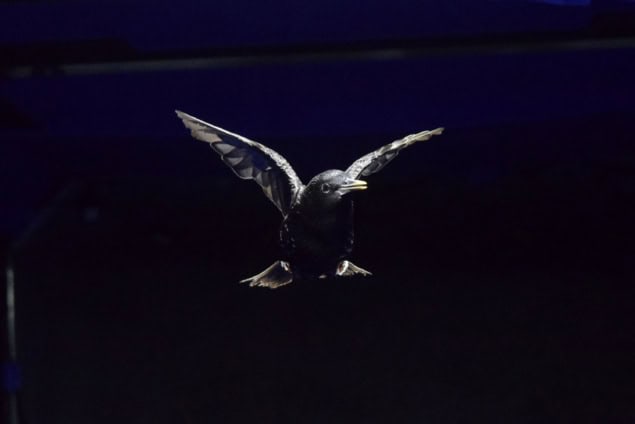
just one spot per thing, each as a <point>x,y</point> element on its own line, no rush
<point>375,161</point>
<point>250,161</point>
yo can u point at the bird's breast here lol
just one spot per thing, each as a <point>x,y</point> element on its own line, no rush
<point>308,237</point>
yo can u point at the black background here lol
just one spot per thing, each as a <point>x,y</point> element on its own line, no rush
<point>502,250</point>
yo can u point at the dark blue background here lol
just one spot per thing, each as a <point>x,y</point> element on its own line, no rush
<point>61,124</point>
<point>502,251</point>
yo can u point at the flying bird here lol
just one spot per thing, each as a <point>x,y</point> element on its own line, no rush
<point>316,234</point>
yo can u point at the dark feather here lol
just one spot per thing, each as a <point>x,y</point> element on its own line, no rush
<point>250,161</point>
<point>375,161</point>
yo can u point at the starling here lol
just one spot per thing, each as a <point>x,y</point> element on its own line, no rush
<point>316,234</point>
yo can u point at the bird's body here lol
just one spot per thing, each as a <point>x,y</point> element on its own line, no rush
<point>316,234</point>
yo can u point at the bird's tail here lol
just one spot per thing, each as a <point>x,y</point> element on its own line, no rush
<point>277,275</point>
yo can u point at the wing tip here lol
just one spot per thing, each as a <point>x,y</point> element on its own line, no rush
<point>181,114</point>
<point>421,136</point>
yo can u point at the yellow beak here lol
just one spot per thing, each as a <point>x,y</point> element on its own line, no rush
<point>353,185</point>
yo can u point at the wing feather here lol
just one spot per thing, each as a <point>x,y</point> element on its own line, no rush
<point>249,160</point>
<point>375,161</point>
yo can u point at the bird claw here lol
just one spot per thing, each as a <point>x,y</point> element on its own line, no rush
<point>347,269</point>
<point>277,275</point>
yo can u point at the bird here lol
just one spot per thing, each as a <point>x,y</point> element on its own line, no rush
<point>316,233</point>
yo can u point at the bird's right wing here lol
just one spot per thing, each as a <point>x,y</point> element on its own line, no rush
<point>249,160</point>
<point>375,161</point>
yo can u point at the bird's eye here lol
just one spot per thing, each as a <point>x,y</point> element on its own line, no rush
<point>325,188</point>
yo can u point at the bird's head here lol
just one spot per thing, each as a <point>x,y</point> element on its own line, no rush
<point>329,187</point>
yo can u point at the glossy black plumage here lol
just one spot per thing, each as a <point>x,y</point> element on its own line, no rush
<point>316,233</point>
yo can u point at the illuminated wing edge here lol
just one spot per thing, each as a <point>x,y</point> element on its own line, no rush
<point>375,161</point>
<point>278,180</point>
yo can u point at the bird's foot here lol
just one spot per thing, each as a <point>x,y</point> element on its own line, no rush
<point>277,275</point>
<point>347,269</point>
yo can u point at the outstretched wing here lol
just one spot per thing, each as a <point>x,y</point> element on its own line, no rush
<point>250,161</point>
<point>375,161</point>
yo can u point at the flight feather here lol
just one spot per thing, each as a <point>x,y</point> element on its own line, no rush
<point>249,160</point>
<point>376,160</point>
